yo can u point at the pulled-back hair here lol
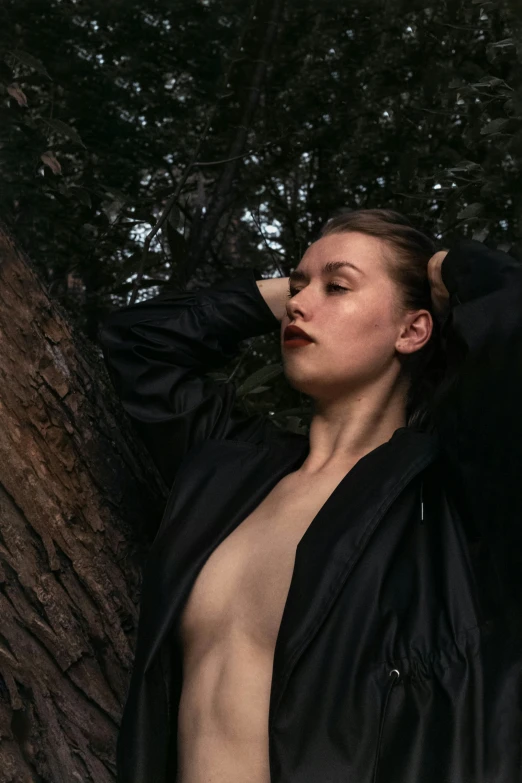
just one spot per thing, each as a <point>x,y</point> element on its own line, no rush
<point>411,249</point>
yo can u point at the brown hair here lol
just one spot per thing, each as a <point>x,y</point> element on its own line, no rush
<point>411,251</point>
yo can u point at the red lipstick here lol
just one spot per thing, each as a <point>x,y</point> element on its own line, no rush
<point>294,337</point>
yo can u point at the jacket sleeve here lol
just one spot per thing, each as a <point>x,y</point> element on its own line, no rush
<point>158,352</point>
<point>479,419</point>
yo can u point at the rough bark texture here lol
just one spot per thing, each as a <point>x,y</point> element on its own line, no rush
<point>76,494</point>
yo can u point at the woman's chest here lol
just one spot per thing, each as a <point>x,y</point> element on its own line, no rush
<point>242,587</point>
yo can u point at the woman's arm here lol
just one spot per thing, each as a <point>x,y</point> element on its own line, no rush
<point>479,419</point>
<point>158,352</point>
<point>275,293</point>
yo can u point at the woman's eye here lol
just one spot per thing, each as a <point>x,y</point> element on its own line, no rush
<point>330,286</point>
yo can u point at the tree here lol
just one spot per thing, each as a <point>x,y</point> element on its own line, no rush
<point>75,493</point>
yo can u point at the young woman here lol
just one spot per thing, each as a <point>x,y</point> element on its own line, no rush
<point>340,606</point>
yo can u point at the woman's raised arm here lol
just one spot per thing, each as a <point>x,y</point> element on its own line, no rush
<point>158,353</point>
<point>479,419</point>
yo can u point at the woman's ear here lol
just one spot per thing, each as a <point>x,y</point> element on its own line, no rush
<point>439,292</point>
<point>415,332</point>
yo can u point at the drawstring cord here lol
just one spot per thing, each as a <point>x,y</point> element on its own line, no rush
<point>395,675</point>
<point>421,500</point>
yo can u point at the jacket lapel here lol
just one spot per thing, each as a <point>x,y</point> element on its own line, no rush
<point>336,539</point>
<point>230,481</point>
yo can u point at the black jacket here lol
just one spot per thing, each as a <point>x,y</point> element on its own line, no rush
<point>399,656</point>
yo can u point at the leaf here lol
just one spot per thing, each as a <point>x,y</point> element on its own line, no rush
<point>258,390</point>
<point>65,130</point>
<point>502,44</point>
<point>29,61</point>
<point>51,160</point>
<point>489,81</point>
<point>112,209</point>
<point>117,194</point>
<point>472,210</point>
<point>17,93</point>
<point>258,377</point>
<point>480,234</point>
<point>83,196</point>
<point>494,126</point>
<point>464,165</point>
<point>140,214</point>
<point>150,282</point>
<point>177,244</point>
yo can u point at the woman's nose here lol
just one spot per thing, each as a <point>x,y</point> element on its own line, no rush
<point>292,309</point>
<point>295,305</point>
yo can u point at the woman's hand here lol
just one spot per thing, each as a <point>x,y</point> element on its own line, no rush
<point>439,292</point>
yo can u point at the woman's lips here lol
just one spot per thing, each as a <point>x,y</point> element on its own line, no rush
<point>296,342</point>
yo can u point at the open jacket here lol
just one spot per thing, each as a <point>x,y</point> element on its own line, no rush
<point>399,655</point>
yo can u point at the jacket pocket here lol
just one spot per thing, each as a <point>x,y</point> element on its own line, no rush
<point>394,677</point>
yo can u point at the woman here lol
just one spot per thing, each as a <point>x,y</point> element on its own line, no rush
<point>342,605</point>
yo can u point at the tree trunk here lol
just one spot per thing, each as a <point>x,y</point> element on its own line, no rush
<point>76,491</point>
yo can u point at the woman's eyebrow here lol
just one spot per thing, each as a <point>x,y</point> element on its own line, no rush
<point>330,266</point>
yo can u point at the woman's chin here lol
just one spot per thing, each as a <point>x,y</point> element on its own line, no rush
<point>302,382</point>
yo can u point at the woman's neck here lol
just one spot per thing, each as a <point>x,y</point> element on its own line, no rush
<point>342,431</point>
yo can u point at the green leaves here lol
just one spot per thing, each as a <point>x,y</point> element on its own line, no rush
<point>471,211</point>
<point>495,126</point>
<point>422,122</point>
<point>64,130</point>
<point>464,165</point>
<point>489,81</point>
<point>24,58</point>
<point>254,383</point>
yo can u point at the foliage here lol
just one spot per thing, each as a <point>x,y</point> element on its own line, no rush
<point>103,108</point>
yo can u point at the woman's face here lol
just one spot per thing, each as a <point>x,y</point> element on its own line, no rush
<point>352,314</point>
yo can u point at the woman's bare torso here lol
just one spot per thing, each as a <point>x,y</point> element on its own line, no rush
<point>229,628</point>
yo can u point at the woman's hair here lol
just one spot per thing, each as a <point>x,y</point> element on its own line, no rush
<point>411,251</point>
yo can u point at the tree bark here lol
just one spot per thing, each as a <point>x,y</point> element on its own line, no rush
<point>79,501</point>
